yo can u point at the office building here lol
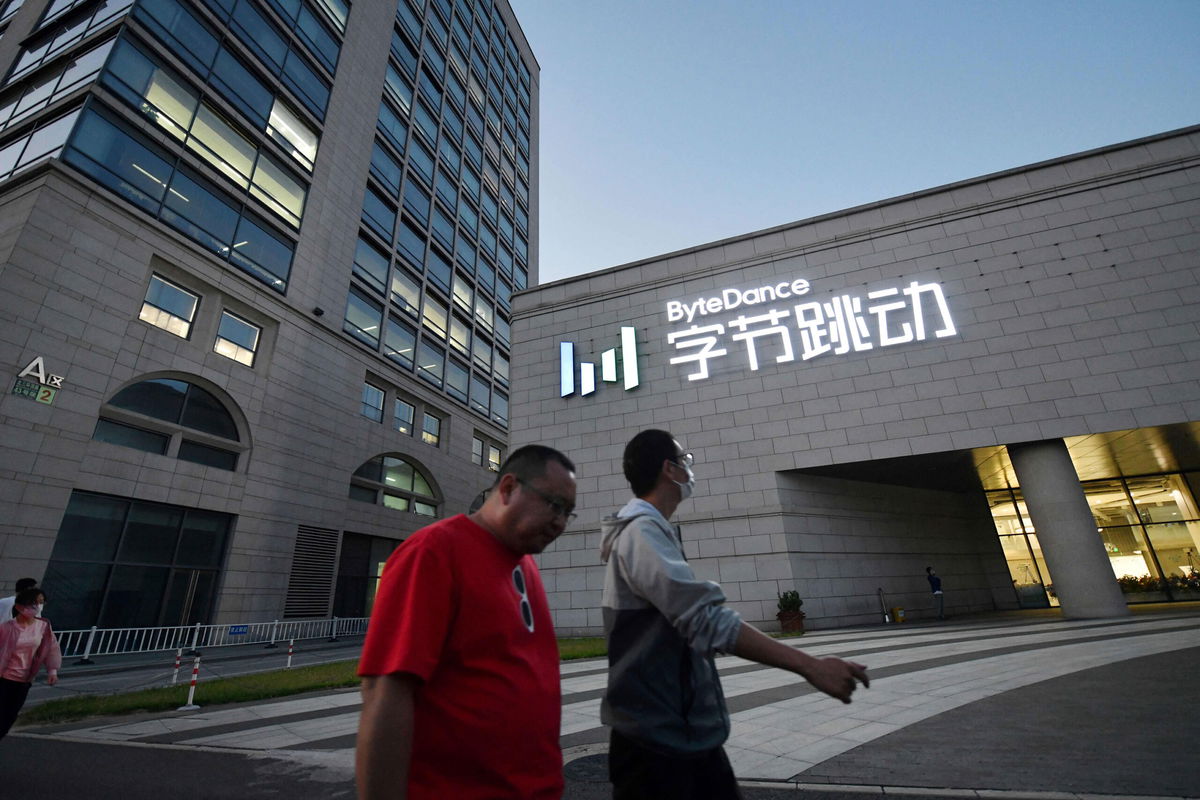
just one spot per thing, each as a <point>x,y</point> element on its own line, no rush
<point>256,267</point>
<point>999,379</point>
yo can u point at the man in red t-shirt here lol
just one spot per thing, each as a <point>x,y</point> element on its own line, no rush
<point>460,668</point>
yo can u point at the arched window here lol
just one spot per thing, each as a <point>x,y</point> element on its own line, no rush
<point>395,482</point>
<point>171,417</point>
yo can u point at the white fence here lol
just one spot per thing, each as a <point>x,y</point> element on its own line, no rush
<point>94,641</point>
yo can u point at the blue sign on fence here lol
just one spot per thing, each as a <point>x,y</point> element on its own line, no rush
<point>238,630</point>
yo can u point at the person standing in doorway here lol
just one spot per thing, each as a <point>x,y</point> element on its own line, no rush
<point>27,643</point>
<point>6,603</point>
<point>460,668</point>
<point>664,625</point>
<point>935,586</point>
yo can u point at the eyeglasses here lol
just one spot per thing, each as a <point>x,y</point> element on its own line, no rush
<point>556,505</point>
<point>684,459</point>
<point>518,578</point>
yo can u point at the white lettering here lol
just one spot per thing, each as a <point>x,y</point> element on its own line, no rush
<point>729,299</point>
<point>36,368</point>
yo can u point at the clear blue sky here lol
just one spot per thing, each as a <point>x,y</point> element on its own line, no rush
<point>670,123</point>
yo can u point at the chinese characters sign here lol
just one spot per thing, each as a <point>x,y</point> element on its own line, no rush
<point>805,330</point>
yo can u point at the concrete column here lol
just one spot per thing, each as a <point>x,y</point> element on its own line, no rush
<point>1082,576</point>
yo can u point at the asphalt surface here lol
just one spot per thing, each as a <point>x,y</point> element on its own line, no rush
<point>1128,729</point>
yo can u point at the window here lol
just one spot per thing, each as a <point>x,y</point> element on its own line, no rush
<point>457,380</point>
<point>163,96</point>
<point>372,402</point>
<point>119,562</point>
<point>406,292</point>
<point>400,483</point>
<point>434,318</point>
<point>45,90</point>
<point>131,436</point>
<point>431,362</point>
<point>173,418</point>
<point>169,307</point>
<point>480,395</point>
<point>363,317</point>
<point>129,165</point>
<point>460,335</point>
<point>44,142</point>
<point>237,338</point>
<point>399,342</point>
<point>370,265</point>
<point>486,454</point>
<point>431,429</point>
<point>402,417</point>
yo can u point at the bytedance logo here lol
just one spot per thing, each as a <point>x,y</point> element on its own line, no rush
<point>608,366</point>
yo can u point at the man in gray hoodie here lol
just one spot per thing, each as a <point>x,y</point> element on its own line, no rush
<point>664,625</point>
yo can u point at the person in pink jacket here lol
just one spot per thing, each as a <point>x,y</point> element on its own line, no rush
<point>27,643</point>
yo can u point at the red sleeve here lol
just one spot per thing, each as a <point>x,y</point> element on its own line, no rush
<point>413,609</point>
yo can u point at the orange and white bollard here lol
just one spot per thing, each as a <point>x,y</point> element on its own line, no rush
<point>291,646</point>
<point>192,689</point>
<point>175,676</point>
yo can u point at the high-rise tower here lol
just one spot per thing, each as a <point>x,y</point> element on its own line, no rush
<point>256,259</point>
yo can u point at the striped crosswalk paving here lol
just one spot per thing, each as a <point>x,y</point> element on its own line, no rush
<point>780,726</point>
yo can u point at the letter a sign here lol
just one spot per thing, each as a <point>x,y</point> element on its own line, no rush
<point>37,369</point>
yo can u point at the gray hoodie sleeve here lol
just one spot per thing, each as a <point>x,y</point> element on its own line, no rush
<point>652,564</point>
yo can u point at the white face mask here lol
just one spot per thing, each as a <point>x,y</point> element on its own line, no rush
<point>40,606</point>
<point>686,489</point>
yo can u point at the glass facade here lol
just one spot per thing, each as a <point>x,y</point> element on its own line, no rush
<point>1149,525</point>
<point>205,118</point>
<point>445,218</point>
<point>125,563</point>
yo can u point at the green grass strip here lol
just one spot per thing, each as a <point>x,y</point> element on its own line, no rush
<point>239,689</point>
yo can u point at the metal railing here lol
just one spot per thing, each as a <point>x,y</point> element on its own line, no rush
<point>94,641</point>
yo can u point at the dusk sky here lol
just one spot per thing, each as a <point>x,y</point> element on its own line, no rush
<point>666,124</point>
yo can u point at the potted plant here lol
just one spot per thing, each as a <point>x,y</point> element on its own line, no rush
<point>791,618</point>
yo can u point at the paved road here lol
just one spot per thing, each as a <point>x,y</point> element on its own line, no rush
<point>1025,705</point>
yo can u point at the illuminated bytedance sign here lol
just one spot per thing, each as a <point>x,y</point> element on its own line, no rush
<point>888,317</point>
<point>608,366</point>
<point>772,318</point>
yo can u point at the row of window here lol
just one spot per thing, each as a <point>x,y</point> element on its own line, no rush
<point>486,452</point>
<point>215,64</point>
<point>173,308</point>
<point>39,94</point>
<point>268,42</point>
<point>161,95</point>
<point>158,182</point>
<point>404,411</point>
<point>58,38</point>
<point>399,341</point>
<point>205,52</point>
<point>508,136</point>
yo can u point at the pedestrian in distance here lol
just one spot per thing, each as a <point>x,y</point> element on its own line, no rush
<point>460,667</point>
<point>664,625</point>
<point>6,603</point>
<point>935,586</point>
<point>27,643</point>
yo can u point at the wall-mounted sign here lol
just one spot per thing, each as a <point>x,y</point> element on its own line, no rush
<point>888,317</point>
<point>47,385</point>
<point>34,391</point>
<point>626,353</point>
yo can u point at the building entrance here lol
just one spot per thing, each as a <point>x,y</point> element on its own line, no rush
<point>1149,525</point>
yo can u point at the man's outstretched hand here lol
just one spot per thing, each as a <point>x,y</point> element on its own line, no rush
<point>837,678</point>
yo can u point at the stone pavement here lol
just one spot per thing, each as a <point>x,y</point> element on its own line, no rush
<point>1016,703</point>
